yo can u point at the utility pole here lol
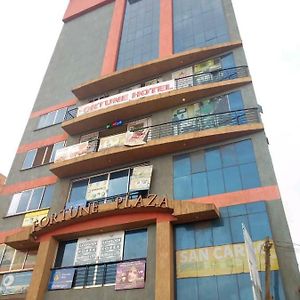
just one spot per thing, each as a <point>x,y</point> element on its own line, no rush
<point>267,248</point>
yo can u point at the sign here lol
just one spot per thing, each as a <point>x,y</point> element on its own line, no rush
<point>71,152</point>
<point>15,283</point>
<point>96,190</point>
<point>111,246</point>
<point>140,178</point>
<point>61,279</point>
<point>219,260</point>
<point>251,258</point>
<point>184,77</point>
<point>112,141</point>
<point>126,96</point>
<point>130,275</point>
<point>34,216</point>
<point>87,250</point>
<point>136,138</point>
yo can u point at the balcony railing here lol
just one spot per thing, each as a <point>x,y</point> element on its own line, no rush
<point>95,274</point>
<point>194,80</point>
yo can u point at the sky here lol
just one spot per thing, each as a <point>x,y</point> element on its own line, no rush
<point>270,34</point>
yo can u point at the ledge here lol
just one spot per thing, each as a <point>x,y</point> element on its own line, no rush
<point>148,105</point>
<point>115,156</point>
<point>149,70</point>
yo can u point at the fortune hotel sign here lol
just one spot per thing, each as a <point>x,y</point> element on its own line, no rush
<point>93,208</point>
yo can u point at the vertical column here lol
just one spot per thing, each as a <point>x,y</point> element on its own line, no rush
<point>166,28</point>
<point>114,37</point>
<point>41,271</point>
<point>164,276</point>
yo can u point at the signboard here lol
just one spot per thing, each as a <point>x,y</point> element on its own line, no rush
<point>251,258</point>
<point>136,138</point>
<point>126,96</point>
<point>96,190</point>
<point>111,246</point>
<point>61,279</point>
<point>130,275</point>
<point>15,283</point>
<point>140,178</point>
<point>112,141</point>
<point>219,260</point>
<point>87,250</point>
<point>187,81</point>
<point>71,152</point>
<point>31,217</point>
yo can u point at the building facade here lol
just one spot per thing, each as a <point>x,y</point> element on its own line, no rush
<point>143,156</point>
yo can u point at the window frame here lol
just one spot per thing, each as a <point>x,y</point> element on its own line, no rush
<point>54,122</point>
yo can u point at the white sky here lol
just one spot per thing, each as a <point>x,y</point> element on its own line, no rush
<point>270,33</point>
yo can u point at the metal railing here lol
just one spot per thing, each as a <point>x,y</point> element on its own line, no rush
<point>94,274</point>
<point>193,80</point>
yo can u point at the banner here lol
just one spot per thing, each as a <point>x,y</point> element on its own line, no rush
<point>15,283</point>
<point>130,275</point>
<point>187,81</point>
<point>124,97</point>
<point>71,152</point>
<point>219,260</point>
<point>112,141</point>
<point>31,217</point>
<point>111,246</point>
<point>87,250</point>
<point>96,190</point>
<point>61,279</point>
<point>140,178</point>
<point>136,138</point>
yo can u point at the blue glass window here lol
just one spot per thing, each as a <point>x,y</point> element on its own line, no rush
<point>140,34</point>
<point>198,23</point>
<point>135,245</point>
<point>183,187</point>
<point>66,254</point>
<point>118,183</point>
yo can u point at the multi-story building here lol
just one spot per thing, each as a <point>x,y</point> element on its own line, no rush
<point>143,156</point>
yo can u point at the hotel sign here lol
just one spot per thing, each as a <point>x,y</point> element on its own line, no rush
<point>127,96</point>
<point>93,208</point>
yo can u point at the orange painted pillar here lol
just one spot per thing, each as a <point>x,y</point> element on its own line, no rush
<point>41,271</point>
<point>164,274</point>
<point>114,38</point>
<point>166,28</point>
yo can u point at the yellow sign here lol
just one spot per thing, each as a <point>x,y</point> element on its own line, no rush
<point>31,217</point>
<point>220,260</point>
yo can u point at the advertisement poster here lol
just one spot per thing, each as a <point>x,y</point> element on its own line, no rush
<point>111,246</point>
<point>208,66</point>
<point>61,279</point>
<point>87,250</point>
<point>219,260</point>
<point>150,90</point>
<point>130,275</point>
<point>184,77</point>
<point>136,138</point>
<point>112,141</point>
<point>71,152</point>
<point>15,283</point>
<point>31,217</point>
<point>140,178</point>
<point>96,190</point>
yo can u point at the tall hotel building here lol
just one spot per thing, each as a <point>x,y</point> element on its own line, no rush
<point>143,156</point>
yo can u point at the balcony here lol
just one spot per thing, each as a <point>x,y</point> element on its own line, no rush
<point>185,89</point>
<point>162,139</point>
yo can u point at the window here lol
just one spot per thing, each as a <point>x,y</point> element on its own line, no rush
<point>41,156</point>
<point>140,34</point>
<point>198,23</point>
<point>38,198</point>
<point>53,117</point>
<point>213,171</point>
<point>105,187</point>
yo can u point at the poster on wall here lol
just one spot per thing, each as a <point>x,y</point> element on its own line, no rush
<point>136,138</point>
<point>61,279</point>
<point>112,141</point>
<point>87,250</point>
<point>15,283</point>
<point>96,190</point>
<point>31,217</point>
<point>140,178</point>
<point>111,246</point>
<point>71,152</point>
<point>130,275</point>
<point>184,77</point>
